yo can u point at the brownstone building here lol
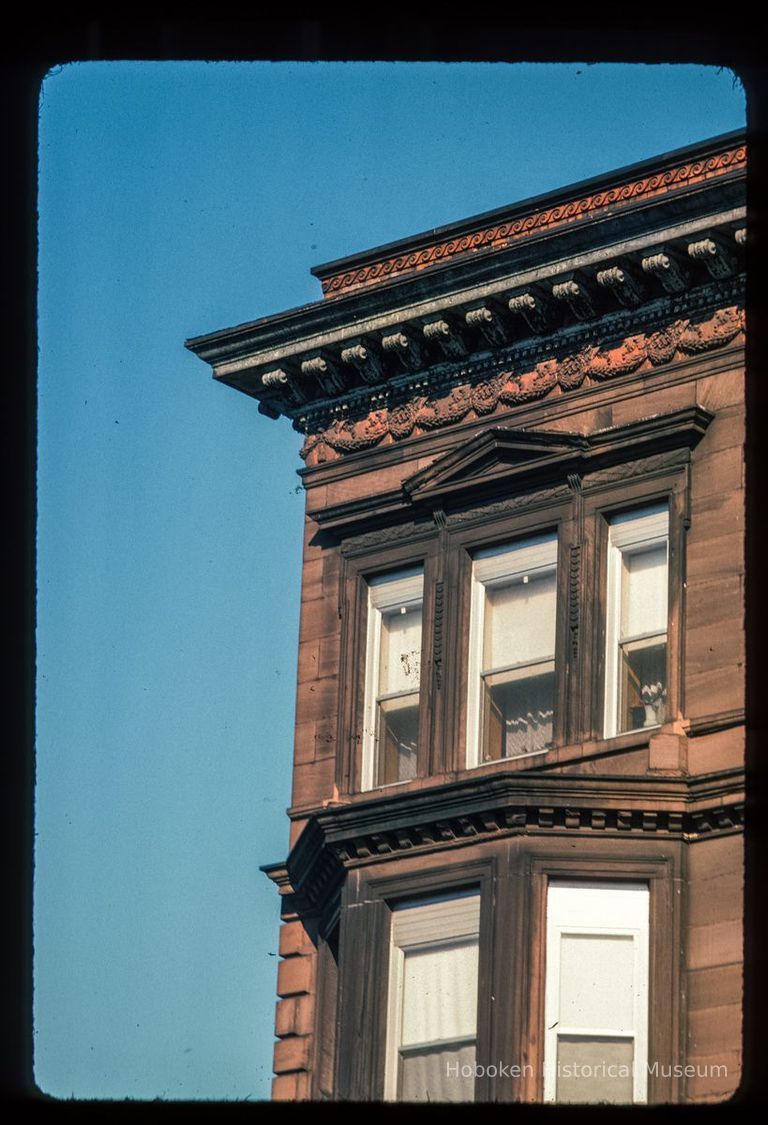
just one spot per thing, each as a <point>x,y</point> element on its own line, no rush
<point>515,862</point>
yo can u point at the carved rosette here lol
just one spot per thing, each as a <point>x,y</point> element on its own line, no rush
<point>492,396</point>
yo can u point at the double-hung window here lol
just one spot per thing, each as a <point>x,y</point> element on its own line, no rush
<point>393,675</point>
<point>636,621</point>
<point>596,1003</point>
<point>432,1009</point>
<point>511,690</point>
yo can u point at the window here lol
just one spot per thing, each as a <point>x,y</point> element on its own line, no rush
<point>596,1004</point>
<point>511,690</point>
<point>432,1009</point>
<point>393,671</point>
<point>636,623</point>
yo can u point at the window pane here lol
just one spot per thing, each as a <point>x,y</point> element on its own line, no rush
<point>596,981</point>
<point>519,620</point>
<point>642,684</point>
<point>594,1070</point>
<point>398,737</point>
<point>644,591</point>
<point>517,713</point>
<point>440,993</point>
<point>400,659</point>
<point>436,1075</point>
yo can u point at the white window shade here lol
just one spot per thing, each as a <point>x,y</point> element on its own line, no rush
<point>644,590</point>
<point>440,993</point>
<point>520,620</point>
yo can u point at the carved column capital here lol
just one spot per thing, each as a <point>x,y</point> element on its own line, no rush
<point>533,307</point>
<point>283,384</point>
<point>404,346</point>
<point>489,324</point>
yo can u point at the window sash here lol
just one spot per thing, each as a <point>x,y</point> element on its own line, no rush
<point>601,911</point>
<point>632,533</point>
<point>386,593</point>
<point>493,568</point>
<point>450,926</point>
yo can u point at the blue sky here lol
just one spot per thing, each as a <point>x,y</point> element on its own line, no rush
<point>175,199</point>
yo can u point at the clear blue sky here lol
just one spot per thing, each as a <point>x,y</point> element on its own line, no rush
<point>175,199</point>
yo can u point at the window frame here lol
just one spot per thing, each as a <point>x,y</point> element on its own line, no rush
<point>356,573</point>
<point>559,517</point>
<point>658,863</point>
<point>437,936</point>
<point>532,557</point>
<point>405,588</point>
<point>366,919</point>
<point>601,923</point>
<point>651,528</point>
<point>601,504</point>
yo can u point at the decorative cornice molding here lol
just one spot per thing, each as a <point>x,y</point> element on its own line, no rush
<point>503,469</point>
<point>501,391</point>
<point>530,803</point>
<point>501,235</point>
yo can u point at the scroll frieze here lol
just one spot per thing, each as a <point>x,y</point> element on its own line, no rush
<point>589,365</point>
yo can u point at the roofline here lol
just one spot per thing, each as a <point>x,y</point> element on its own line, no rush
<point>604,179</point>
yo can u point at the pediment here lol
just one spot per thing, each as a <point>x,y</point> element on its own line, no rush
<point>503,451</point>
<point>505,459</point>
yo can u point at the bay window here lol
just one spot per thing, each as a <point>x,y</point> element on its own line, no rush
<point>636,620</point>
<point>432,1005</point>
<point>511,690</point>
<point>393,675</point>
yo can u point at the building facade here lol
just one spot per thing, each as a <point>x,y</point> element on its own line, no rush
<point>515,863</point>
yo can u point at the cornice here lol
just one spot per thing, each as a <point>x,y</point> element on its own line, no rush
<point>330,358</point>
<point>513,378</point>
<point>531,803</point>
<point>475,238</point>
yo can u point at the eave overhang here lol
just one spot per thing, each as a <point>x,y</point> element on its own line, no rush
<point>343,357</point>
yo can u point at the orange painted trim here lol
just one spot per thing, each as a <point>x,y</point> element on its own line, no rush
<point>500,236</point>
